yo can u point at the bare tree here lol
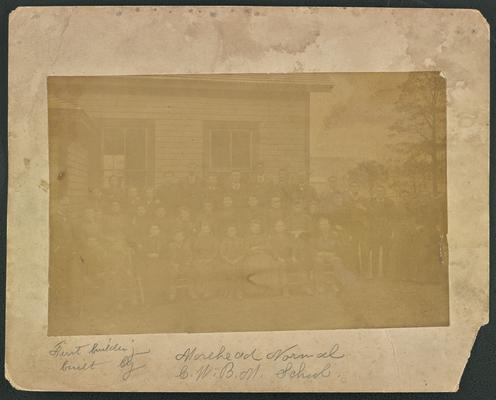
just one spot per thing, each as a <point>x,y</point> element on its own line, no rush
<point>420,129</point>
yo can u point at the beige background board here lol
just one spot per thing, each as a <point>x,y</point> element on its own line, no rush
<point>169,40</point>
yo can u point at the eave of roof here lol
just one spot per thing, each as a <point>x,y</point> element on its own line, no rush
<point>227,82</point>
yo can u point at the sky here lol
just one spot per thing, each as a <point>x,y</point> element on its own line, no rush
<point>360,109</point>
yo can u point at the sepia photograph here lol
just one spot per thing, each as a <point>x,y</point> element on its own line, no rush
<point>247,199</point>
<point>247,202</point>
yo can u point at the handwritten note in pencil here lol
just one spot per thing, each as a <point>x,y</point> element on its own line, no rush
<point>196,364</point>
<point>290,363</point>
<point>78,358</point>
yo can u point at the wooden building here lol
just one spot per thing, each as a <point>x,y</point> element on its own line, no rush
<point>137,128</point>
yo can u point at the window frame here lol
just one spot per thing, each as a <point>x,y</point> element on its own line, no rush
<point>125,125</point>
<point>228,128</point>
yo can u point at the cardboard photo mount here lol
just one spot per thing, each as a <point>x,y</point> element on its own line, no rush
<point>84,41</point>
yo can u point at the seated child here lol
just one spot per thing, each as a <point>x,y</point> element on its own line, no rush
<point>276,211</point>
<point>86,284</point>
<point>151,270</point>
<point>205,248</point>
<point>232,253</point>
<point>256,240</point>
<point>260,267</point>
<point>207,214</point>
<point>253,211</point>
<point>179,259</point>
<point>281,248</point>
<point>299,221</point>
<point>121,275</point>
<point>303,261</point>
<point>114,223</point>
<point>163,221</point>
<point>184,222</point>
<point>132,200</point>
<point>227,215</point>
<point>324,245</point>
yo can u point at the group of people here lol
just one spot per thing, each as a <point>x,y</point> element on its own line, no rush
<point>202,238</point>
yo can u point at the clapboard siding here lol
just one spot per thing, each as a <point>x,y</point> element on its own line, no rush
<point>77,173</point>
<point>179,124</point>
<point>178,144</point>
<point>70,133</point>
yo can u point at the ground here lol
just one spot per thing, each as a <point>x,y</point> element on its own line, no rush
<point>360,304</point>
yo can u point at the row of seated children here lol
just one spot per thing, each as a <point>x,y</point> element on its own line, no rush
<point>135,224</point>
<point>203,265</point>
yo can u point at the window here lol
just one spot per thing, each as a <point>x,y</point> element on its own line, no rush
<point>230,147</point>
<point>127,151</point>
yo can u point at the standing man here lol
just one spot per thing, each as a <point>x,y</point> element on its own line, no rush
<point>404,236</point>
<point>150,200</point>
<point>96,199</point>
<point>132,200</point>
<point>115,222</point>
<point>261,185</point>
<point>356,214</point>
<point>205,251</point>
<point>212,191</point>
<point>192,189</point>
<point>114,191</point>
<point>138,228</point>
<point>381,221</point>
<point>236,189</point>
<point>329,198</point>
<point>302,190</point>
<point>168,192</point>
<point>282,188</point>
